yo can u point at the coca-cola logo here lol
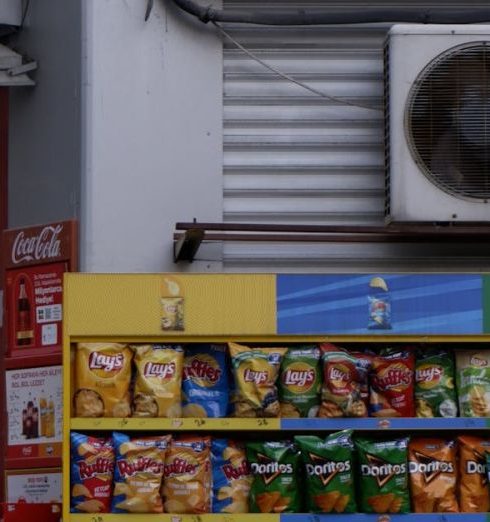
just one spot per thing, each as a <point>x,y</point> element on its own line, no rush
<point>45,245</point>
<point>160,370</point>
<point>108,363</point>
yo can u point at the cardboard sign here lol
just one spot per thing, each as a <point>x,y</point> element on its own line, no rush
<point>36,485</point>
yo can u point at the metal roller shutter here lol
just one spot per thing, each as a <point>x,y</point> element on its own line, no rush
<point>293,157</point>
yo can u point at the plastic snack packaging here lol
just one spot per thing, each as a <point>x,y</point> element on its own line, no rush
<point>300,382</point>
<point>205,384</point>
<point>473,382</point>
<point>138,475</point>
<point>92,468</point>
<point>474,493</point>
<point>102,380</point>
<point>158,383</point>
<point>329,472</point>
<point>379,303</point>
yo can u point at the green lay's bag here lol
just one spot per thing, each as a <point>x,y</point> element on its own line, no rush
<point>300,382</point>
<point>329,472</point>
<point>275,468</point>
<point>473,382</point>
<point>383,475</point>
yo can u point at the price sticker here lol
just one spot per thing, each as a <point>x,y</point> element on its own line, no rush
<point>384,424</point>
<point>262,422</point>
<point>224,423</point>
<point>176,519</point>
<point>176,423</point>
<point>123,423</point>
<point>97,518</point>
<point>384,518</point>
<point>200,422</point>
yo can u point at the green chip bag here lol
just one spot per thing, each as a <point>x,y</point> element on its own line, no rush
<point>275,467</point>
<point>435,392</point>
<point>329,472</point>
<point>383,475</point>
<point>473,380</point>
<point>300,382</point>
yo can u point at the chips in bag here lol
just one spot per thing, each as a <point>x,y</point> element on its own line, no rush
<point>256,371</point>
<point>138,475</point>
<point>231,477</point>
<point>300,382</point>
<point>474,493</point>
<point>383,475</point>
<point>92,468</point>
<point>205,383</point>
<point>102,380</point>
<point>187,480</point>
<point>392,383</point>
<point>433,475</point>
<point>435,391</point>
<point>157,389</point>
<point>473,382</point>
<point>345,389</point>
<point>275,468</point>
<point>329,472</point>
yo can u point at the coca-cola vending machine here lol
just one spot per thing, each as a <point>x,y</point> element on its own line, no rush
<point>34,260</point>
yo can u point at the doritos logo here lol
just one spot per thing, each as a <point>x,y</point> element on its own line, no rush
<point>101,466</point>
<point>381,470</point>
<point>429,467</point>
<point>269,469</point>
<point>324,469</point>
<point>477,466</point>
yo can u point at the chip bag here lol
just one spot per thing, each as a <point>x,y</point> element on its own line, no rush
<point>433,475</point>
<point>329,471</point>
<point>256,371</point>
<point>392,384</point>
<point>474,494</point>
<point>157,389</point>
<point>383,475</point>
<point>275,468</point>
<point>187,481</point>
<point>205,383</point>
<point>345,389</point>
<point>435,392</point>
<point>92,468</point>
<point>473,382</point>
<point>138,476</point>
<point>231,477</point>
<point>102,380</point>
<point>300,382</point>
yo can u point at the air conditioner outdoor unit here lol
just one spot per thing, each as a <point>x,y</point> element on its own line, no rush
<point>438,123</point>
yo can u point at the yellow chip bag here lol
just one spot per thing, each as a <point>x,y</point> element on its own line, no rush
<point>256,371</point>
<point>157,390</point>
<point>102,379</point>
<point>187,476</point>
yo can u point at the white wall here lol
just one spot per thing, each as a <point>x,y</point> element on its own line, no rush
<point>152,134</point>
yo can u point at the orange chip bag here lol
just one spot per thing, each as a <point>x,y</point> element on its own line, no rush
<point>432,474</point>
<point>474,492</point>
<point>102,379</point>
<point>157,390</point>
<point>187,476</point>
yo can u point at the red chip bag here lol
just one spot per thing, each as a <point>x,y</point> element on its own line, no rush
<point>392,384</point>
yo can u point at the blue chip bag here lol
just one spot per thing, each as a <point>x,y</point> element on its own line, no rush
<point>232,477</point>
<point>205,383</point>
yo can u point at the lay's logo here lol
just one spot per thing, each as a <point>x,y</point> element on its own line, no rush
<point>107,363</point>
<point>478,361</point>
<point>163,371</point>
<point>255,376</point>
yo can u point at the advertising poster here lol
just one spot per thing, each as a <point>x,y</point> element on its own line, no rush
<point>34,410</point>
<point>38,486</point>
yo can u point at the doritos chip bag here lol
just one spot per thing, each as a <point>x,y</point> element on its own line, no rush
<point>300,382</point>
<point>433,475</point>
<point>187,481</point>
<point>157,390</point>
<point>435,391</point>
<point>275,468</point>
<point>473,381</point>
<point>138,475</point>
<point>474,494</point>
<point>256,371</point>
<point>92,468</point>
<point>205,383</point>
<point>231,477</point>
<point>102,380</point>
<point>345,388</point>
<point>384,475</point>
<point>329,472</point>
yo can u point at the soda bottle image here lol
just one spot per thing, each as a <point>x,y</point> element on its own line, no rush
<point>43,407</point>
<point>24,420</point>
<point>23,324</point>
<point>35,422</point>
<point>50,420</point>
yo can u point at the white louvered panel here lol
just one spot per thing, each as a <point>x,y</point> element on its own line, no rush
<point>292,157</point>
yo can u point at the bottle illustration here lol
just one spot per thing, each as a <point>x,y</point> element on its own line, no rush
<point>35,422</point>
<point>50,419</point>
<point>30,412</point>
<point>43,407</point>
<point>24,421</point>
<point>23,327</point>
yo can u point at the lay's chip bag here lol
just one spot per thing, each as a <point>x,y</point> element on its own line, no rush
<point>205,383</point>
<point>256,371</point>
<point>275,468</point>
<point>102,380</point>
<point>329,472</point>
<point>157,389</point>
<point>231,477</point>
<point>187,482</point>
<point>474,492</point>
<point>300,382</point>
<point>92,468</point>
<point>138,475</point>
